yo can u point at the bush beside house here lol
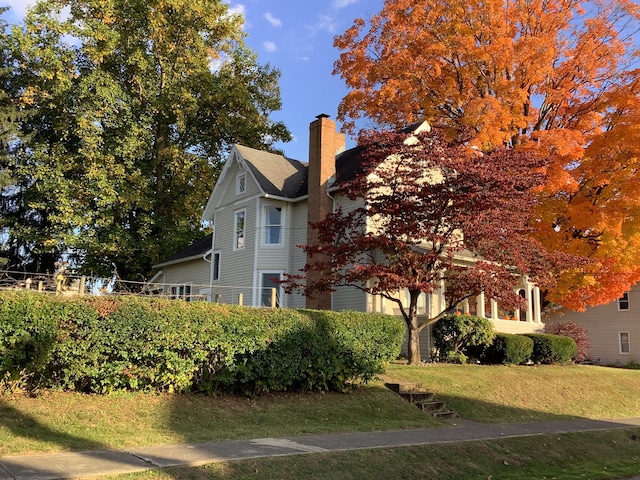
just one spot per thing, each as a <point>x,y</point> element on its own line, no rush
<point>456,336</point>
<point>509,349</point>
<point>572,330</point>
<point>549,348</point>
<point>460,337</point>
<point>104,344</point>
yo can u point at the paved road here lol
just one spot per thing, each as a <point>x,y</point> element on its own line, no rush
<point>94,463</point>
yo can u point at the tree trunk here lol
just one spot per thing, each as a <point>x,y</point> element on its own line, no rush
<point>413,341</point>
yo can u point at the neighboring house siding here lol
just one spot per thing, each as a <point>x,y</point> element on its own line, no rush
<point>604,325</point>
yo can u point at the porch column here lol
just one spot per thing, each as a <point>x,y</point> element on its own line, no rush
<point>530,301</point>
<point>480,305</point>
<point>538,306</point>
<point>465,307</point>
<point>516,312</point>
<point>494,309</point>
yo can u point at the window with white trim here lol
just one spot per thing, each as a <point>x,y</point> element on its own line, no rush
<point>623,302</point>
<point>241,183</point>
<point>215,260</point>
<point>625,343</point>
<point>239,227</point>
<point>273,226</point>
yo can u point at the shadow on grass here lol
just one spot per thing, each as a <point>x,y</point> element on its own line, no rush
<point>29,427</point>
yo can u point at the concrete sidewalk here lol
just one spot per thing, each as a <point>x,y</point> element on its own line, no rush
<point>95,463</point>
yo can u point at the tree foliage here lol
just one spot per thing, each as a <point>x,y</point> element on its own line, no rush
<point>133,106</point>
<point>454,334</point>
<point>558,78</point>
<point>420,202</point>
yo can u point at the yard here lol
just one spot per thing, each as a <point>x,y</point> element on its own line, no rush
<point>57,421</point>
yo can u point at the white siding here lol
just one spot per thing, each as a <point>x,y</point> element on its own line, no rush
<point>296,235</point>
<point>236,266</point>
<point>193,272</point>
<point>604,323</point>
<point>349,298</point>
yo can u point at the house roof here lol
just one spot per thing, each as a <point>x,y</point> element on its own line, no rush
<point>276,174</point>
<point>196,250</point>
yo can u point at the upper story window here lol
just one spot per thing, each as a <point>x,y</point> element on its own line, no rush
<point>623,302</point>
<point>273,226</point>
<point>241,183</point>
<point>239,230</point>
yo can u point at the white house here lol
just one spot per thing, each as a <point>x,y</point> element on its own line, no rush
<point>260,209</point>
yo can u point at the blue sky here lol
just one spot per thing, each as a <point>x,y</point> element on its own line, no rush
<point>296,37</point>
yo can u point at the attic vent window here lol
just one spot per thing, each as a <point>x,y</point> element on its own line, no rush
<point>241,183</point>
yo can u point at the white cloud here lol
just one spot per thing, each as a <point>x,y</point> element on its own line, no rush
<point>275,22</point>
<point>239,9</point>
<point>269,46</point>
<point>343,3</point>
<point>326,23</point>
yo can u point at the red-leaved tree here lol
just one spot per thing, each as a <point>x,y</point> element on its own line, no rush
<point>416,205</point>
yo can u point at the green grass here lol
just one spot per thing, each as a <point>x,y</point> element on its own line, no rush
<point>515,394</point>
<point>574,456</point>
<point>62,421</point>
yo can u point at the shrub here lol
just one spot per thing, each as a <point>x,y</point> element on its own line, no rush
<point>454,335</point>
<point>509,349</point>
<point>572,330</point>
<point>549,348</point>
<point>28,328</point>
<point>99,345</point>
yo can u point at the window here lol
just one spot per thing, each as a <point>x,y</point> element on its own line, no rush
<point>216,266</point>
<point>623,302</point>
<point>239,230</point>
<point>273,226</point>
<point>241,183</point>
<point>269,282</point>
<point>625,344</point>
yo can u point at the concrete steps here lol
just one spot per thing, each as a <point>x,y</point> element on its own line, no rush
<point>417,395</point>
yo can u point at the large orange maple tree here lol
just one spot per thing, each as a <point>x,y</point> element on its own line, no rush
<point>558,78</point>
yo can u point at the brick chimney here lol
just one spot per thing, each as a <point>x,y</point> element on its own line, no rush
<point>324,143</point>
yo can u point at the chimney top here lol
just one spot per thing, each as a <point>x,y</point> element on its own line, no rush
<point>322,115</point>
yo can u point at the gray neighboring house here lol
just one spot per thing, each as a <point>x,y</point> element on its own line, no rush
<point>613,329</point>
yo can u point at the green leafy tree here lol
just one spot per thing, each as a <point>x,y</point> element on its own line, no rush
<point>134,105</point>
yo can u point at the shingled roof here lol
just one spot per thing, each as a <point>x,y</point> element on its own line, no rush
<point>276,174</point>
<point>195,250</point>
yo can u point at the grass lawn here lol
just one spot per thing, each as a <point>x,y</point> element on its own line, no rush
<point>596,455</point>
<point>61,421</point>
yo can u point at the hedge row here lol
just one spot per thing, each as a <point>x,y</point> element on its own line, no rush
<point>104,344</point>
<point>457,337</point>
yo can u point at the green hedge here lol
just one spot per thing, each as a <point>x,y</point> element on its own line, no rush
<point>509,349</point>
<point>103,344</point>
<point>549,348</point>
